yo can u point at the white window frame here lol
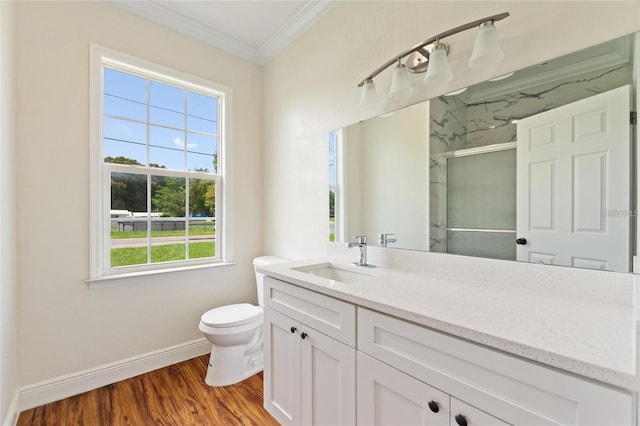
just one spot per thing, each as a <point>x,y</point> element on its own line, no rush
<point>99,194</point>
<point>340,188</point>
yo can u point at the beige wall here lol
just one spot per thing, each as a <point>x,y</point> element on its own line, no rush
<point>311,86</point>
<point>8,260</point>
<point>65,327</point>
<point>395,178</point>
<point>307,90</point>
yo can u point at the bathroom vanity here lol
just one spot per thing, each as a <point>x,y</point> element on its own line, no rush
<point>388,346</point>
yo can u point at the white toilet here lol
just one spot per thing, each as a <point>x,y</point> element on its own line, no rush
<point>236,333</point>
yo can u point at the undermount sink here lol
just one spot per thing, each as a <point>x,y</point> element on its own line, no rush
<point>336,272</point>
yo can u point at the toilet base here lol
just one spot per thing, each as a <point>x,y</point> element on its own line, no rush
<point>229,365</point>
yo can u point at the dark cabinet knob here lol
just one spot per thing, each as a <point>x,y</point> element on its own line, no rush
<point>461,420</point>
<point>433,406</point>
<point>521,241</point>
<point>303,335</point>
<point>293,329</point>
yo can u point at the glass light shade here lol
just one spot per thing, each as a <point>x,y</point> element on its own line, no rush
<point>486,50</point>
<point>438,70</point>
<point>400,82</point>
<point>368,93</point>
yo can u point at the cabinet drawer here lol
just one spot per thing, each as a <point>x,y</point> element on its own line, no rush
<point>519,392</point>
<point>330,316</point>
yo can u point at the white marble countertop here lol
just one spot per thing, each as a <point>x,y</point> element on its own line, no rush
<point>589,336</point>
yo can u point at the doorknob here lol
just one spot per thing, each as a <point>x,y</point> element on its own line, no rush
<point>521,241</point>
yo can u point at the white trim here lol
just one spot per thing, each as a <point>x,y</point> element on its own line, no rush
<point>225,156</point>
<point>478,150</point>
<point>153,171</point>
<point>636,166</point>
<point>427,217</point>
<point>100,57</point>
<point>299,23</point>
<point>155,12</point>
<point>96,199</point>
<point>121,279</point>
<point>82,381</point>
<point>11,418</point>
<point>495,231</point>
<point>340,201</point>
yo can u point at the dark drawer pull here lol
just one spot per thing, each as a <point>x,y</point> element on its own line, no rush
<point>461,420</point>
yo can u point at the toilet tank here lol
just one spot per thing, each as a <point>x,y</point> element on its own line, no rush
<point>263,261</point>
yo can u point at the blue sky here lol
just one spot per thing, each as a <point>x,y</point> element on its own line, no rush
<point>125,96</point>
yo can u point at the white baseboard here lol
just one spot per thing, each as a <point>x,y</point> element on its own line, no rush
<point>11,418</point>
<point>72,384</point>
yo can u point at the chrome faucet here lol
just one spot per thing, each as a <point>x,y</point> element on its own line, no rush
<point>362,243</point>
<point>383,239</point>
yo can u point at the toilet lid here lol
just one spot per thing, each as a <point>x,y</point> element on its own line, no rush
<point>231,315</point>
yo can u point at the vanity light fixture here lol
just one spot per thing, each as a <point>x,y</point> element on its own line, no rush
<point>430,56</point>
<point>369,93</point>
<point>486,50</point>
<point>438,71</point>
<point>400,82</point>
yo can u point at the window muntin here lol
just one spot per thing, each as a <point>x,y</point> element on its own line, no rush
<point>161,180</point>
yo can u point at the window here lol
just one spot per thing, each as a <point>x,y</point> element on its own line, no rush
<point>337,187</point>
<point>160,197</point>
<point>332,184</point>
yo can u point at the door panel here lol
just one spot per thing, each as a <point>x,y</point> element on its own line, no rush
<point>573,179</point>
<point>282,366</point>
<point>328,380</point>
<point>387,396</point>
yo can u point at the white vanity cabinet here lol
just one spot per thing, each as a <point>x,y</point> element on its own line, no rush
<point>464,414</point>
<point>310,357</point>
<point>484,386</point>
<point>402,373</point>
<point>387,396</point>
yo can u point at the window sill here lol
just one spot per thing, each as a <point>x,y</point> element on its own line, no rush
<point>127,278</point>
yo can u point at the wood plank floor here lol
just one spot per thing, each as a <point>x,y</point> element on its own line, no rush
<point>172,396</point>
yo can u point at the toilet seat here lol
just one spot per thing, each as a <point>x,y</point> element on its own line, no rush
<point>231,315</point>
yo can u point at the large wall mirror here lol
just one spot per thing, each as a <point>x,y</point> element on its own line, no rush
<point>535,166</point>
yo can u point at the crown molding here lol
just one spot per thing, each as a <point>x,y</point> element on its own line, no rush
<point>159,14</point>
<point>155,12</point>
<point>300,22</point>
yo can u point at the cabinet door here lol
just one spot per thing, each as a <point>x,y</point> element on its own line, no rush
<point>281,367</point>
<point>465,415</point>
<point>517,391</point>
<point>328,380</point>
<point>387,396</point>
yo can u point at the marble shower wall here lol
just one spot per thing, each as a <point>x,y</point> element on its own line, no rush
<point>448,130</point>
<point>464,121</point>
